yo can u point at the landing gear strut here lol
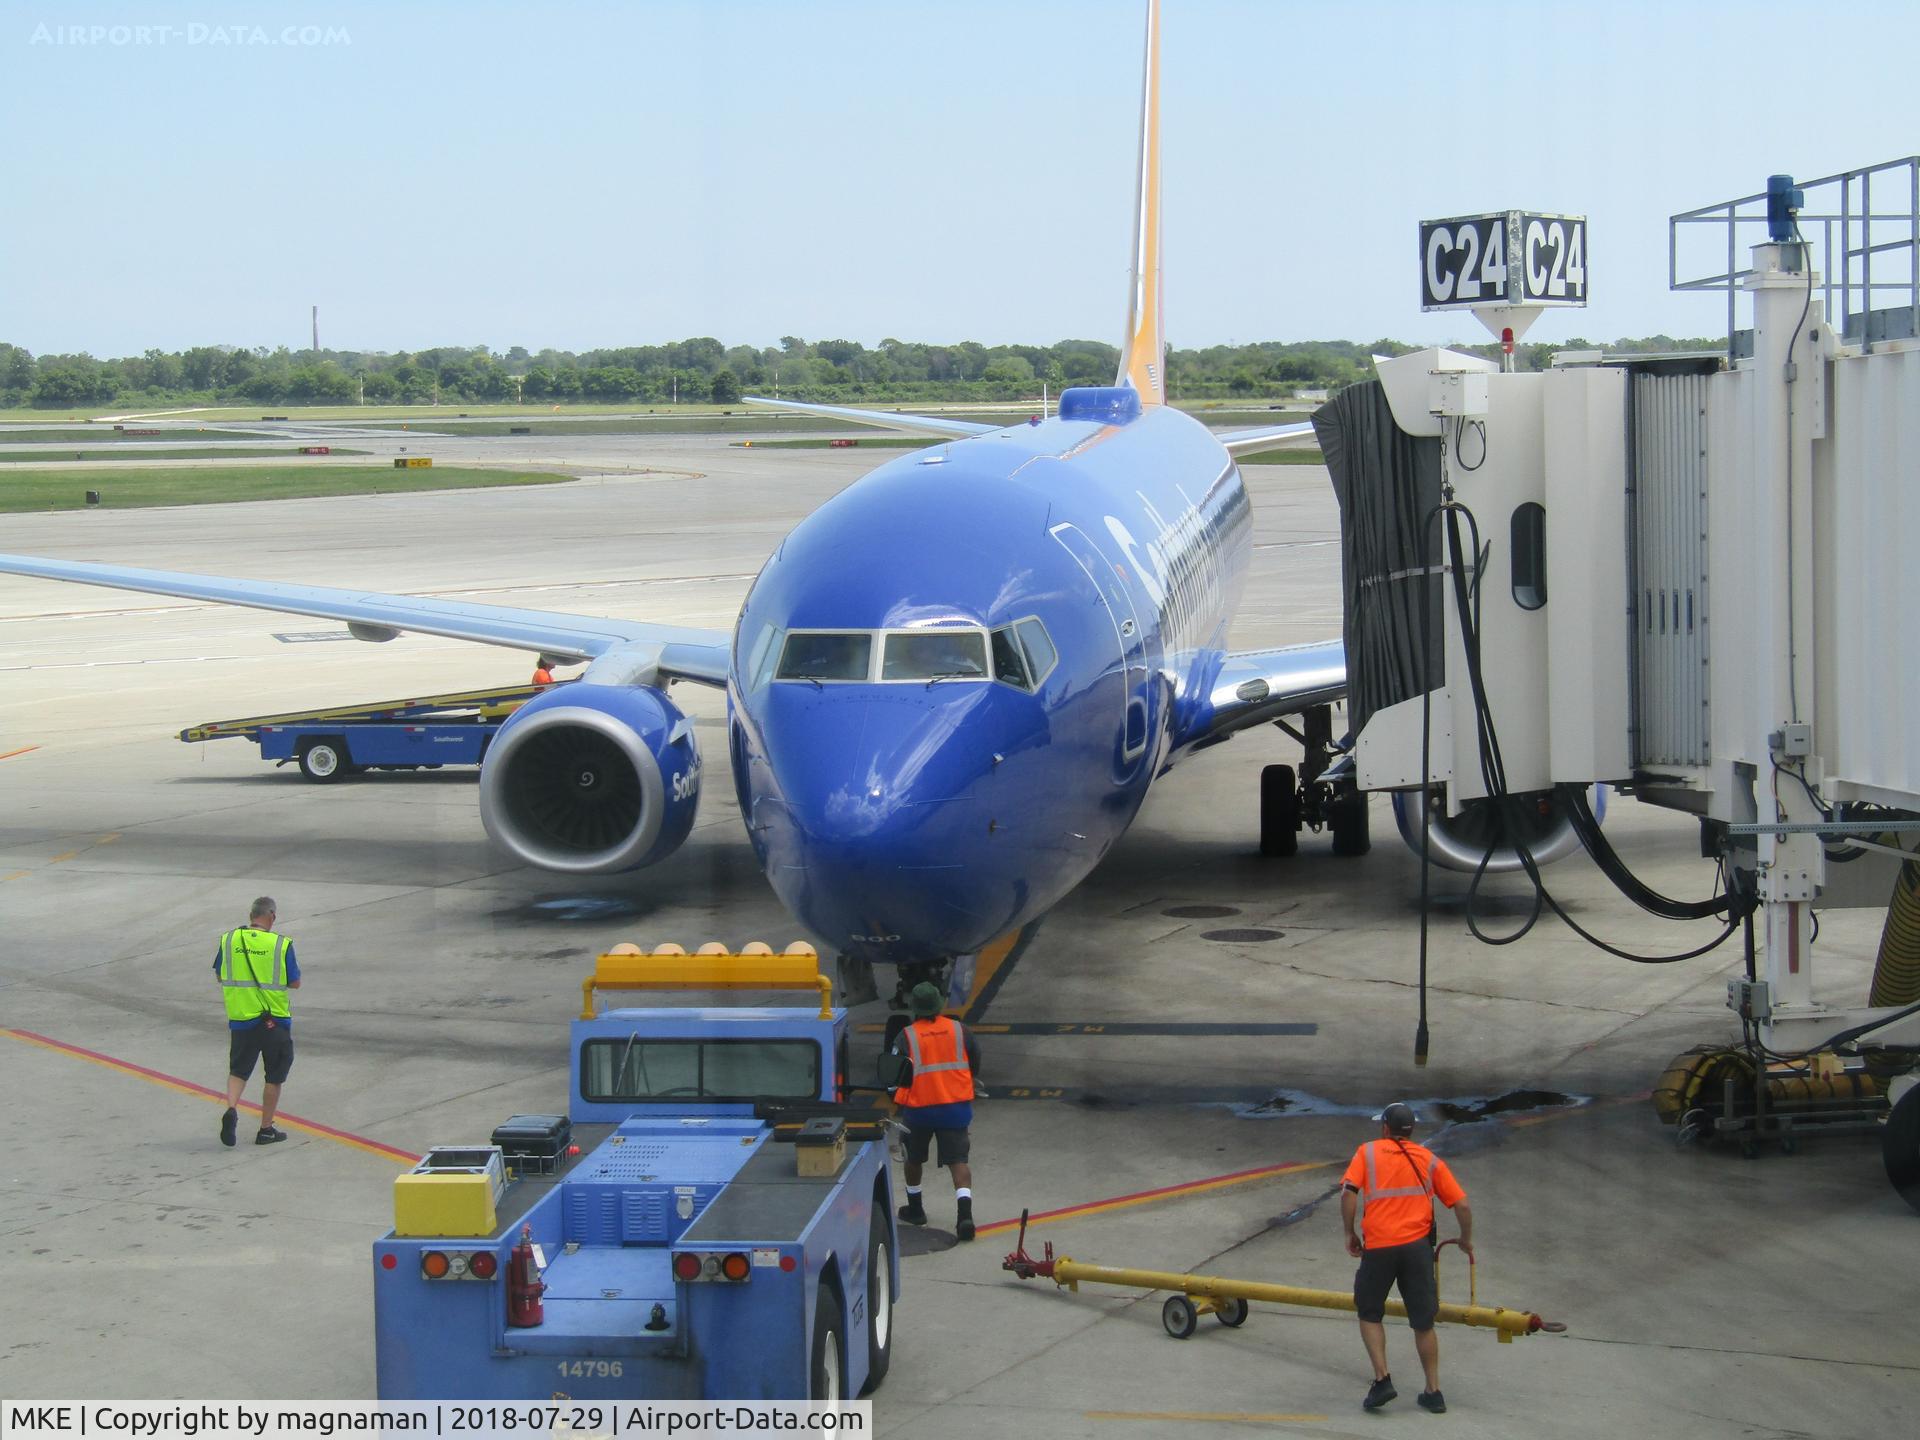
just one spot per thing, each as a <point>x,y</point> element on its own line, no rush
<point>1324,797</point>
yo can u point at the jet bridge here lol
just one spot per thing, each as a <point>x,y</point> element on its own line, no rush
<point>1689,577</point>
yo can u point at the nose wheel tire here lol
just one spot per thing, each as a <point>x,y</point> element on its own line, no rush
<point>1347,819</point>
<point>1279,811</point>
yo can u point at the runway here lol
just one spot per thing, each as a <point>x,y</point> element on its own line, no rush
<point>1180,1054</point>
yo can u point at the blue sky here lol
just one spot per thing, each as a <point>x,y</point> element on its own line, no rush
<point>596,174</point>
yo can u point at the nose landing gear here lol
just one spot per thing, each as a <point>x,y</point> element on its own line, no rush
<point>1322,797</point>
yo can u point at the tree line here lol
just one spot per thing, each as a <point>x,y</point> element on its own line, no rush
<point>697,370</point>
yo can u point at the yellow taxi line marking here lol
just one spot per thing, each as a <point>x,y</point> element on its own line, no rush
<point>24,749</point>
<point>76,854</point>
<point>987,965</point>
<point>16,875</point>
<point>1222,1417</point>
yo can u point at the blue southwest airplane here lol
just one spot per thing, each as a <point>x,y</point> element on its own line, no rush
<point>950,688</point>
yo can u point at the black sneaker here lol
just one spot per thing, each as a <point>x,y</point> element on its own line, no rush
<point>1379,1393</point>
<point>269,1136</point>
<point>229,1122</point>
<point>1432,1400</point>
<point>963,1227</point>
<point>913,1212</point>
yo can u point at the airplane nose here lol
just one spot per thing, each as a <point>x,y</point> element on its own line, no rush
<point>878,794</point>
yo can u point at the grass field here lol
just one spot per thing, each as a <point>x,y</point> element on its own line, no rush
<point>24,490</point>
<point>1285,457</point>
<point>1214,412</point>
<point>185,452</point>
<point>107,435</point>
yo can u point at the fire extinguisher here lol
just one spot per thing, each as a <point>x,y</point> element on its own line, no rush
<point>524,1286</point>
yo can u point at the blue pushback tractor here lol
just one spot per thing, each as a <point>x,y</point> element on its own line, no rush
<point>722,1226</point>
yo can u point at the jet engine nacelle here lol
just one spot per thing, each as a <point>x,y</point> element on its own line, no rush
<point>1459,842</point>
<point>591,779</point>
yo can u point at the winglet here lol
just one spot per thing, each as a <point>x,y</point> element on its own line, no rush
<point>1142,354</point>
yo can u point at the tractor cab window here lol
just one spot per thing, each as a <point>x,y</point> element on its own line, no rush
<point>826,655</point>
<point>711,1070</point>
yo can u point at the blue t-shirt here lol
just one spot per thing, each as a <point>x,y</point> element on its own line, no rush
<point>293,978</point>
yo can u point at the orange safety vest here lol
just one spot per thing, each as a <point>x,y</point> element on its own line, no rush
<point>1398,1192</point>
<point>941,1075</point>
<point>543,676</point>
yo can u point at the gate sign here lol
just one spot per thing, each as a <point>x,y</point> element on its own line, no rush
<point>1507,258</point>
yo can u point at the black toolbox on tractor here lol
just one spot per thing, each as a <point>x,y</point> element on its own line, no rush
<point>534,1144</point>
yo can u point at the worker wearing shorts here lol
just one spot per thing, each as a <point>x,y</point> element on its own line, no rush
<point>1398,1182</point>
<point>937,1104</point>
<point>256,970</point>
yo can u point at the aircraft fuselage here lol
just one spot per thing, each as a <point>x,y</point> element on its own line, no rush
<point>909,815</point>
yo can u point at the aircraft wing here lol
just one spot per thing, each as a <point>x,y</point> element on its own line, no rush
<point>891,419</point>
<point>1255,686</point>
<point>1266,437</point>
<point>684,653</point>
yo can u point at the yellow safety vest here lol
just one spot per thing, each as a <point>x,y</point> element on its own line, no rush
<point>253,973</point>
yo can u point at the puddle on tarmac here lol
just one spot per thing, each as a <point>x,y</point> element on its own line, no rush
<point>1450,1125</point>
<point>925,1240</point>
<point>1199,912</point>
<point>576,907</point>
<point>1242,937</point>
<point>1449,1111</point>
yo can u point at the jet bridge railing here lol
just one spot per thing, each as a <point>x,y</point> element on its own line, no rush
<point>1863,227</point>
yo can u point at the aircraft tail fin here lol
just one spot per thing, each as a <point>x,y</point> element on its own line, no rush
<point>1142,352</point>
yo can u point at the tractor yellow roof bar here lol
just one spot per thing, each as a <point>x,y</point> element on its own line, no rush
<point>712,967</point>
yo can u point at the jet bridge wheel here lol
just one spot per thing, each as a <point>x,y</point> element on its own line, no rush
<point>1279,811</point>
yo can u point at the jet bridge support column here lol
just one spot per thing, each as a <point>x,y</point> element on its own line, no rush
<point>1787,415</point>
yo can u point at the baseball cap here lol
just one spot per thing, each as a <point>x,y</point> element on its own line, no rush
<point>925,1000</point>
<point>1398,1117</point>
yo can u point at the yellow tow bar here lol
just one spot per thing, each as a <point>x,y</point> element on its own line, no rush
<point>1197,1295</point>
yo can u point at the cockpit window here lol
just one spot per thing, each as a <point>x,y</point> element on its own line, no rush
<point>935,655</point>
<point>1009,662</point>
<point>820,655</point>
<point>760,657</point>
<point>1039,646</point>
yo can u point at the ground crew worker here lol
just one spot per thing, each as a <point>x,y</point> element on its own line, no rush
<point>256,969</point>
<point>1398,1181</point>
<point>937,1105</point>
<point>543,671</point>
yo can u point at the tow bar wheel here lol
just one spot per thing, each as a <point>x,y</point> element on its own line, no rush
<point>1231,1313</point>
<point>1179,1316</point>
